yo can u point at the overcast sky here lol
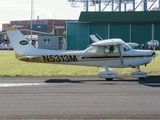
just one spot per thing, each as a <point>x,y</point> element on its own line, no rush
<point>45,9</point>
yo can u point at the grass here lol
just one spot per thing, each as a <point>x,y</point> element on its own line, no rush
<point>13,67</point>
<point>9,66</point>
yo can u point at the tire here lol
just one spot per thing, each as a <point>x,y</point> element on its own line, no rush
<point>109,79</point>
<point>140,78</point>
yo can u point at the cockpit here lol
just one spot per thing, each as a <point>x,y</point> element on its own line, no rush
<point>126,47</point>
<point>113,49</point>
<point>108,49</point>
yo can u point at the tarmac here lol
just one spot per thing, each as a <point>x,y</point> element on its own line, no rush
<point>79,98</point>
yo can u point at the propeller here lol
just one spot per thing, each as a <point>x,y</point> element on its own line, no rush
<point>154,54</point>
<point>154,44</point>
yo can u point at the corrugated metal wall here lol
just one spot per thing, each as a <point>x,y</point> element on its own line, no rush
<point>157,32</point>
<point>77,36</point>
<point>120,31</point>
<point>99,28</point>
<point>140,33</point>
<point>78,33</point>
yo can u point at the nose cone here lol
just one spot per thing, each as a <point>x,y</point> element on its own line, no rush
<point>155,54</point>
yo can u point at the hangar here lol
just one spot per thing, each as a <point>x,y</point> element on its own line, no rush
<point>130,26</point>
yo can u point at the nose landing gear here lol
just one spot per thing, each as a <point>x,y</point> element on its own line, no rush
<point>139,74</point>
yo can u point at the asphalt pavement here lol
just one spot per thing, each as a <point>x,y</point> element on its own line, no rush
<point>79,98</point>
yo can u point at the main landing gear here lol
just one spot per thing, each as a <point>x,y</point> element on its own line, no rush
<point>139,74</point>
<point>108,75</point>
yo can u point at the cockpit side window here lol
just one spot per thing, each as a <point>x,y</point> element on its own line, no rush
<point>111,49</point>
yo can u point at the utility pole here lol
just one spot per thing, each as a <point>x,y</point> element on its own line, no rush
<point>31,17</point>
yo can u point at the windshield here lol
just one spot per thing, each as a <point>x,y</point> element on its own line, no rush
<point>126,47</point>
<point>91,49</point>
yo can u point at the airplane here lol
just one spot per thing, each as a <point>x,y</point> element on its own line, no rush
<point>109,53</point>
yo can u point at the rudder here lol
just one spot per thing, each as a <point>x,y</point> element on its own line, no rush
<point>18,41</point>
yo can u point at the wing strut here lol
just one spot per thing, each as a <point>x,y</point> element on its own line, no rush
<point>120,54</point>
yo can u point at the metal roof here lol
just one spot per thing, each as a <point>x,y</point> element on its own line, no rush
<point>125,17</point>
<point>51,35</point>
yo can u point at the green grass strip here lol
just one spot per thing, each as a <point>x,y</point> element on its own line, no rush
<point>9,66</point>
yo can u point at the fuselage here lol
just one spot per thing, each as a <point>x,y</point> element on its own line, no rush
<point>131,58</point>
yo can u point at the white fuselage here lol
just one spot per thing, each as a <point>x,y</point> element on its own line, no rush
<point>131,58</point>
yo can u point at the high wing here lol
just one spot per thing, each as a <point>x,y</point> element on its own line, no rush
<point>108,42</point>
<point>133,45</point>
<point>95,39</point>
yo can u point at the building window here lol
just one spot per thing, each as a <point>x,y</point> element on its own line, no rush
<point>46,41</point>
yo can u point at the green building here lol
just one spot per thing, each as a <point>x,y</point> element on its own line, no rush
<point>130,26</point>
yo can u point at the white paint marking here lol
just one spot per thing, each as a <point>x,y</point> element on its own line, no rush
<point>30,84</point>
<point>21,84</point>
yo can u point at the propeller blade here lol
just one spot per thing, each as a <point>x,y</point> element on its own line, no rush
<point>154,54</point>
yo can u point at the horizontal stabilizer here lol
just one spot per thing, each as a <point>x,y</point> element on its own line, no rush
<point>28,57</point>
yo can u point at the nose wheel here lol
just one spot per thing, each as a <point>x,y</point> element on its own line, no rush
<point>109,79</point>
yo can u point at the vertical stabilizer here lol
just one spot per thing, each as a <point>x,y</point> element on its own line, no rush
<point>94,38</point>
<point>20,44</point>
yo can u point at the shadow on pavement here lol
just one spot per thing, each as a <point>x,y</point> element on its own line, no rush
<point>61,81</point>
<point>152,81</point>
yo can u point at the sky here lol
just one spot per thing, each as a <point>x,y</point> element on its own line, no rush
<point>45,9</point>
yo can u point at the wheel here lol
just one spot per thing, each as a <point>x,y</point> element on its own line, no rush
<point>109,79</point>
<point>141,78</point>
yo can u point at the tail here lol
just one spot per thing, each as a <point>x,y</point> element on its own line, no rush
<point>20,44</point>
<point>94,38</point>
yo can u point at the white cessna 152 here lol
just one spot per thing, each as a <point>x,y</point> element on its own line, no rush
<point>106,53</point>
